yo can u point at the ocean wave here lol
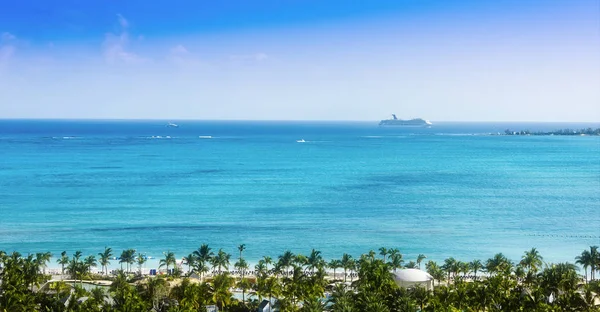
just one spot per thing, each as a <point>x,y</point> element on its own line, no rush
<point>205,137</point>
<point>155,137</point>
<point>383,136</point>
<point>65,137</point>
<point>462,134</point>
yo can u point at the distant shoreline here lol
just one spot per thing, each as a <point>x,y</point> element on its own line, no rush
<point>569,132</point>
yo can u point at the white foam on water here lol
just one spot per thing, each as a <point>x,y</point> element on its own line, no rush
<point>65,138</point>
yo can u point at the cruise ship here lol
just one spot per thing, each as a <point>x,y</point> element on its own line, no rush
<point>417,122</point>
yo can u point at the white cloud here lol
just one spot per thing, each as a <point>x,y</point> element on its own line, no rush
<point>260,56</point>
<point>123,21</point>
<point>6,52</point>
<point>181,56</point>
<point>7,49</point>
<point>6,36</point>
<point>115,46</point>
<point>179,49</point>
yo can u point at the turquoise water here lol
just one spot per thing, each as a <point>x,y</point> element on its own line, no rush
<point>451,190</point>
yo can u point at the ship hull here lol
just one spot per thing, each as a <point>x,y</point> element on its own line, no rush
<point>405,123</point>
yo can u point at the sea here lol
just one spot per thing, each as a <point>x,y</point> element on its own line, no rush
<point>452,190</point>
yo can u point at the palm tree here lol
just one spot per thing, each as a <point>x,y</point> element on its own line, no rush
<point>105,258</point>
<point>314,260</point>
<point>76,267</point>
<point>90,262</point>
<point>434,270</point>
<point>499,263</point>
<point>420,258</point>
<point>140,259</point>
<point>42,259</point>
<point>300,260</point>
<point>395,261</point>
<point>244,284</point>
<point>190,261</point>
<point>585,260</point>
<point>77,255</point>
<point>127,257</point>
<point>346,263</point>
<point>242,266</point>
<point>167,260</point>
<point>63,260</point>
<point>449,266</point>
<point>130,258</point>
<point>268,260</point>
<point>123,259</point>
<point>313,305</point>
<point>29,270</point>
<point>221,260</point>
<point>201,268</point>
<point>371,255</point>
<point>98,295</point>
<point>384,252</point>
<point>475,266</point>
<point>261,268</point>
<point>420,295</point>
<point>559,278</point>
<point>334,264</point>
<point>595,263</point>
<point>532,260</point>
<point>464,268</point>
<point>204,256</point>
<point>221,293</point>
<point>241,248</point>
<point>285,260</point>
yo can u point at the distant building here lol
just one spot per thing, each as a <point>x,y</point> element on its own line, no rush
<point>267,306</point>
<point>408,278</point>
<point>212,308</point>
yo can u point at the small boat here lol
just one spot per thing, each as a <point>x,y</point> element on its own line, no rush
<point>301,141</point>
<point>172,125</point>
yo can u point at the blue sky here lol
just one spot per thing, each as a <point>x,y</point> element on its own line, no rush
<point>528,60</point>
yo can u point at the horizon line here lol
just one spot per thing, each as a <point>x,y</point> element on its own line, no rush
<point>278,120</point>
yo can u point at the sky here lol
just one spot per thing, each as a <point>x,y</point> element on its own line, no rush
<point>527,60</point>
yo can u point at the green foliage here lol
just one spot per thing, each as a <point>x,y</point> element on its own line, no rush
<point>298,283</point>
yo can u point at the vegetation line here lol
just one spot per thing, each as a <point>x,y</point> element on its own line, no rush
<point>293,282</point>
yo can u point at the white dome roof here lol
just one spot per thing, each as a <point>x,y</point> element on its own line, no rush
<point>411,275</point>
